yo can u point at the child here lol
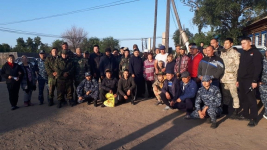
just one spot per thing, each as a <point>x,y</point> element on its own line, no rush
<point>149,71</point>
<point>88,89</point>
<point>211,97</point>
<point>157,86</point>
<point>161,66</point>
<point>170,62</point>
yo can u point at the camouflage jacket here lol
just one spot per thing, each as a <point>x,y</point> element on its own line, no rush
<point>81,65</point>
<point>231,59</point>
<point>50,65</point>
<point>41,71</point>
<point>158,84</point>
<point>124,64</point>
<point>86,86</point>
<point>64,66</point>
<point>211,97</point>
<point>264,72</point>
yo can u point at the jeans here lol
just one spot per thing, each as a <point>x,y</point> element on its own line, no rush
<point>43,84</point>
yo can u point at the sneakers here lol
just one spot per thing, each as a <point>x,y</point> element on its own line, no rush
<point>158,103</point>
<point>213,125</point>
<point>14,108</point>
<point>252,123</point>
<point>265,116</point>
<point>167,108</point>
<point>241,117</point>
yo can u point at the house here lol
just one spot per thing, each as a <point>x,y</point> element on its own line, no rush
<point>257,31</point>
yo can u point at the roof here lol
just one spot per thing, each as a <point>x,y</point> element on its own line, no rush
<point>258,20</point>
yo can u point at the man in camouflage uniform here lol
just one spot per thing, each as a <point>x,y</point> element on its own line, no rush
<point>124,64</point>
<point>65,73</point>
<point>263,85</point>
<point>88,89</point>
<point>42,77</point>
<point>81,65</point>
<point>231,59</point>
<point>211,97</point>
<point>65,46</point>
<point>50,62</point>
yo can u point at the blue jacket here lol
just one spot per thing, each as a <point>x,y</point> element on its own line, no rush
<point>86,86</point>
<point>190,90</point>
<point>172,87</point>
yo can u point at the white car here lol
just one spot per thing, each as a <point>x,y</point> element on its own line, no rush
<point>262,49</point>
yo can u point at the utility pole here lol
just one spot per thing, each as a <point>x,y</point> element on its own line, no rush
<point>182,33</point>
<point>167,32</point>
<point>142,45</point>
<point>155,25</point>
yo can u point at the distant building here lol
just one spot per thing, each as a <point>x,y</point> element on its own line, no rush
<point>257,31</point>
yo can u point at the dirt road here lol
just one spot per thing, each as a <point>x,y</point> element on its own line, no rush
<point>141,127</point>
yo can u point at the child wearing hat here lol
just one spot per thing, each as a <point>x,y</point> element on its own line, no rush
<point>88,89</point>
<point>210,95</point>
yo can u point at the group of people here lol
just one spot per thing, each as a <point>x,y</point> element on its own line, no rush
<point>204,82</point>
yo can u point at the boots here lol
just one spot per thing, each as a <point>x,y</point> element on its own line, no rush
<point>225,109</point>
<point>59,105</point>
<point>213,125</point>
<point>95,103</point>
<point>252,123</point>
<point>51,103</point>
<point>235,114</point>
<point>71,102</point>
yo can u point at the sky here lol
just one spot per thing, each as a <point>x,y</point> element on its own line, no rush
<point>130,20</point>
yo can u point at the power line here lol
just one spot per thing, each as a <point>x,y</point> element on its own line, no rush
<point>116,3</point>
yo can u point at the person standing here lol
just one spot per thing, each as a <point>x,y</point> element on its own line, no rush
<point>212,66</point>
<point>65,46</point>
<point>95,60</point>
<point>263,85</point>
<point>217,48</point>
<point>193,63</point>
<point>177,51</point>
<point>136,70</point>
<point>149,71</point>
<point>118,60</point>
<point>181,63</point>
<point>28,82</point>
<point>81,66</point>
<point>122,52</point>
<point>107,62</point>
<point>65,73</point>
<point>161,56</point>
<point>156,52</point>
<point>231,59</point>
<point>124,64</point>
<point>249,72</point>
<point>42,77</point>
<point>50,67</point>
<point>12,72</point>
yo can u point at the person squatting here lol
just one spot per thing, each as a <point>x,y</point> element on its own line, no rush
<point>205,82</point>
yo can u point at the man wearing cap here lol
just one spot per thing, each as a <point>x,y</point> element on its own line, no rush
<point>212,66</point>
<point>157,86</point>
<point>136,67</point>
<point>126,87</point>
<point>124,64</point>
<point>108,85</point>
<point>81,66</point>
<point>50,68</point>
<point>161,56</point>
<point>193,63</point>
<point>107,62</point>
<point>188,93</point>
<point>88,89</point>
<point>42,76</point>
<point>171,90</point>
<point>181,64</point>
<point>211,97</point>
<point>95,60</point>
<point>65,73</point>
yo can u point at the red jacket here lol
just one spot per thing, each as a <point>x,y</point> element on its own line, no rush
<point>193,64</point>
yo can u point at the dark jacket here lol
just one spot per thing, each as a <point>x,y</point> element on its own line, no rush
<point>250,65</point>
<point>64,66</point>
<point>172,87</point>
<point>109,84</point>
<point>136,66</point>
<point>25,83</point>
<point>107,63</point>
<point>95,60</point>
<point>170,65</point>
<point>212,66</point>
<point>50,66</point>
<point>218,51</point>
<point>189,91</point>
<point>8,71</point>
<point>125,85</point>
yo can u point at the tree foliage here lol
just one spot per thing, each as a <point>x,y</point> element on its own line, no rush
<point>109,42</point>
<point>176,36</point>
<point>88,43</point>
<point>227,18</point>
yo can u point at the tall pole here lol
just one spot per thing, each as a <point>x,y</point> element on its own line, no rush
<point>182,33</point>
<point>155,25</point>
<point>167,32</point>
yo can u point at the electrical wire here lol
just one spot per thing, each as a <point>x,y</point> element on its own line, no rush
<point>116,3</point>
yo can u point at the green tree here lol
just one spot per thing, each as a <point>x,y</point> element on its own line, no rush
<point>5,48</point>
<point>203,37</point>
<point>45,47</point>
<point>21,46</point>
<point>88,44</point>
<point>30,45</point>
<point>226,18</point>
<point>37,43</point>
<point>109,42</point>
<point>176,36</point>
<point>57,44</point>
